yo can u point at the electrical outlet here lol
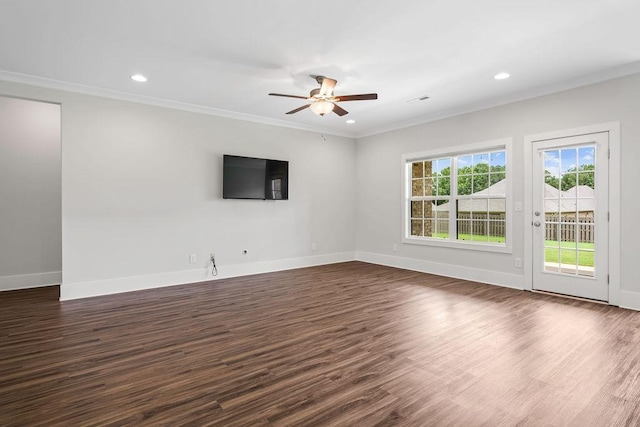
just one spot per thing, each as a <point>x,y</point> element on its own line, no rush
<point>212,257</point>
<point>518,263</point>
<point>394,248</point>
<point>314,247</point>
<point>193,258</point>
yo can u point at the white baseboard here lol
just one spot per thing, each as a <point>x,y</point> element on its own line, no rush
<point>26,281</point>
<point>70,291</point>
<point>507,280</point>
<point>630,300</point>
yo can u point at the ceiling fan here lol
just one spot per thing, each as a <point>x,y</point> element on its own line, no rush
<point>323,101</point>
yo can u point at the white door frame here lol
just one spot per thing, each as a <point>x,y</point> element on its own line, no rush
<point>613,129</point>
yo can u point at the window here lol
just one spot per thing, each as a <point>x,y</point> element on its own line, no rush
<point>458,199</point>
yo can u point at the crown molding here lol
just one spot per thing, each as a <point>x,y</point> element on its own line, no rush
<point>586,80</point>
<point>157,102</point>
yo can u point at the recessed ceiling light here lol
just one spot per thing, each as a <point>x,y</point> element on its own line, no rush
<point>502,76</point>
<point>350,121</point>
<point>139,78</point>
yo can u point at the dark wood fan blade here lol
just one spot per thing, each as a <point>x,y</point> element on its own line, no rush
<point>327,86</point>
<point>299,109</point>
<point>288,96</point>
<point>339,110</point>
<point>363,97</point>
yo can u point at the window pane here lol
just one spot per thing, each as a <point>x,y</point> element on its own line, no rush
<point>464,185</point>
<point>568,160</point>
<point>478,230</point>
<point>586,236</point>
<point>495,179</point>
<point>428,187</point>
<point>567,232</point>
<point>443,186</point>
<point>552,167</point>
<point>428,209</point>
<point>464,230</point>
<point>417,186</point>
<point>429,227</point>
<point>497,231</point>
<point>551,259</point>
<point>416,227</point>
<point>587,179</point>
<point>554,182</point>
<point>416,170</point>
<point>428,168</point>
<point>568,169</point>
<point>416,209</point>
<point>498,206</point>
<point>551,234</point>
<point>444,167</point>
<point>464,165</point>
<point>585,263</point>
<point>586,158</point>
<point>481,209</point>
<point>480,182</point>
<point>442,206</point>
<point>442,228</point>
<point>480,206</point>
<point>586,208</point>
<point>568,259</point>
<point>567,183</point>
<point>481,159</point>
<point>498,161</point>
<point>480,164</point>
<point>464,209</point>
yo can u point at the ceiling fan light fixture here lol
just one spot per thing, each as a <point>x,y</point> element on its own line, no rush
<point>322,107</point>
<point>322,100</point>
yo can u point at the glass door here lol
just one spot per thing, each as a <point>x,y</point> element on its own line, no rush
<point>570,218</point>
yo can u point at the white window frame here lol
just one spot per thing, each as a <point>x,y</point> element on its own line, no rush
<point>504,144</point>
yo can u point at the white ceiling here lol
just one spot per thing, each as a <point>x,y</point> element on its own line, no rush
<point>226,56</point>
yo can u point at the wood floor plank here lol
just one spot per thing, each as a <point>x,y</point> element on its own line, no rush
<point>338,345</point>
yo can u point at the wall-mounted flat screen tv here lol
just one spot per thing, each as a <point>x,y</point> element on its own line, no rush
<point>253,178</point>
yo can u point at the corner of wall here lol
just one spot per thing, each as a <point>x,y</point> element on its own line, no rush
<point>506,280</point>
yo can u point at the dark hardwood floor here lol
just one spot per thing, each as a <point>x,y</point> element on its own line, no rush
<point>350,344</point>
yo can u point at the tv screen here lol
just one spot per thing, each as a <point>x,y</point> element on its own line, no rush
<point>253,178</point>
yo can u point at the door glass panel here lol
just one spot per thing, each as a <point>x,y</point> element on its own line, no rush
<point>551,172</point>
<point>569,203</point>
<point>551,258</point>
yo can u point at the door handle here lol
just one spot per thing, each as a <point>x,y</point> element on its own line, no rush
<point>537,223</point>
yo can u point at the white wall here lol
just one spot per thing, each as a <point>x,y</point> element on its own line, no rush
<point>379,178</point>
<point>30,216</point>
<point>142,190</point>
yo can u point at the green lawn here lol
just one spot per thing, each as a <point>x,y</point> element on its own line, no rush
<point>584,255</point>
<point>491,239</point>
